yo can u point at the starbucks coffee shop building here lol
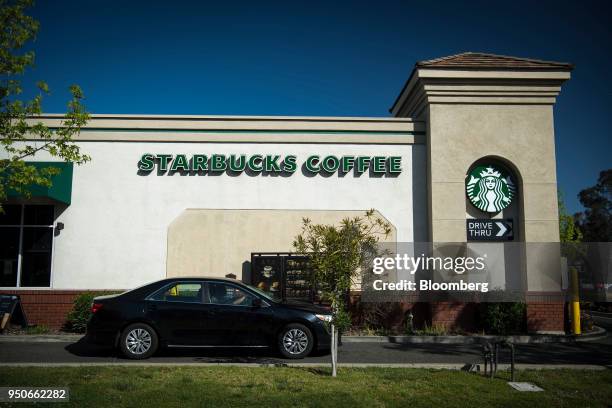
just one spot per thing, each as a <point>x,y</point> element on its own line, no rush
<point>470,137</point>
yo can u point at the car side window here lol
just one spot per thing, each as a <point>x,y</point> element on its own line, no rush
<point>228,294</point>
<point>181,292</point>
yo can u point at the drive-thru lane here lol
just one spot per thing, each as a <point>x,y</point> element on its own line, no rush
<point>597,352</point>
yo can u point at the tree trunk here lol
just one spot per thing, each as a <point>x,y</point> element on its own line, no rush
<point>334,349</point>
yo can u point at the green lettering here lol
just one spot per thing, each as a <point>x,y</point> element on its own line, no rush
<point>199,162</point>
<point>163,161</point>
<point>289,164</point>
<point>180,163</point>
<point>395,164</point>
<point>363,162</point>
<point>347,163</point>
<point>379,164</point>
<point>253,166</point>
<point>312,164</point>
<point>271,163</point>
<point>146,162</point>
<point>330,164</point>
<point>217,162</point>
<point>237,163</point>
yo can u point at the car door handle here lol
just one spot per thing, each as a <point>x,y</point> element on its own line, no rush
<point>152,308</point>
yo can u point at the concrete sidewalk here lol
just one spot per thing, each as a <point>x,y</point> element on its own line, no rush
<point>597,334</point>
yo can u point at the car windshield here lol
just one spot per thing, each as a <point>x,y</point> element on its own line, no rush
<point>262,293</point>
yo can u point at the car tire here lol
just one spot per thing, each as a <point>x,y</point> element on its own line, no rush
<point>295,341</point>
<point>138,341</point>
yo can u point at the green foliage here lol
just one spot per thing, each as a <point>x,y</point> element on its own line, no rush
<point>503,318</point>
<point>38,329</point>
<point>433,330</point>
<point>586,322</point>
<point>380,317</point>
<point>337,254</point>
<point>568,230</point>
<point>81,312</point>
<point>596,221</point>
<point>78,317</point>
<point>18,118</point>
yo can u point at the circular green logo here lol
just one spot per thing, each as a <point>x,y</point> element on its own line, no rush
<point>490,188</point>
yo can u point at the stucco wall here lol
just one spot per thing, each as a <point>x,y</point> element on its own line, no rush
<point>522,135</point>
<point>218,242</point>
<point>115,233</point>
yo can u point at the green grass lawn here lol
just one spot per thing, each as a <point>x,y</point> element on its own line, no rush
<point>354,387</point>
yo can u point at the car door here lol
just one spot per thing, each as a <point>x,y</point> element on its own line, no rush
<point>235,319</point>
<point>177,310</point>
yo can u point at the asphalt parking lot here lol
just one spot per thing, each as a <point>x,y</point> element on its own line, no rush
<point>76,351</point>
<point>597,352</point>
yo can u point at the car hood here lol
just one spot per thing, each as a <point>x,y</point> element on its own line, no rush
<point>308,307</point>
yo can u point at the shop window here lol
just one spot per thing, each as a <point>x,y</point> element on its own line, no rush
<point>26,243</point>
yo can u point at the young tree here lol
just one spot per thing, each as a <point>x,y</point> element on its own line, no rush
<point>17,117</point>
<point>337,254</point>
<point>568,230</point>
<point>596,221</point>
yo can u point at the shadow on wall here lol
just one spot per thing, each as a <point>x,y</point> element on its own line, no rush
<point>420,199</point>
<point>246,272</point>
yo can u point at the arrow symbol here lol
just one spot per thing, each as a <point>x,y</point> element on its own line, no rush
<point>502,229</point>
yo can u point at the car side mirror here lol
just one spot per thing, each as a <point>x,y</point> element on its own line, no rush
<point>256,302</point>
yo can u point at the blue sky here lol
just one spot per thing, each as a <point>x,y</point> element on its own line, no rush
<point>327,58</point>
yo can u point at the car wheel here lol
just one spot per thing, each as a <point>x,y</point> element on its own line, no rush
<point>138,341</point>
<point>295,341</point>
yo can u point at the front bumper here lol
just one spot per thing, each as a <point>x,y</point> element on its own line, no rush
<point>323,336</point>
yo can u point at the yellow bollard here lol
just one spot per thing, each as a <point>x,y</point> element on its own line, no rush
<point>575,302</point>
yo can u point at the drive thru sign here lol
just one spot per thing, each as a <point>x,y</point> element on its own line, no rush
<point>489,230</point>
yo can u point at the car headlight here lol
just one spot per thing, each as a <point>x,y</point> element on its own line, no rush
<point>325,318</point>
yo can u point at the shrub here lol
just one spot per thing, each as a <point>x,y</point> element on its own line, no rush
<point>503,318</point>
<point>78,317</point>
<point>433,330</point>
<point>38,329</point>
<point>381,317</point>
<point>586,322</point>
<point>80,313</point>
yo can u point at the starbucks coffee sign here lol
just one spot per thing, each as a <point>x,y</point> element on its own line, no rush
<point>201,164</point>
<point>490,187</point>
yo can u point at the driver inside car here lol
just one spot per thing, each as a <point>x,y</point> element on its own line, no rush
<point>226,295</point>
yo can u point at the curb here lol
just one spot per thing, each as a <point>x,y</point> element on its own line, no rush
<point>40,338</point>
<point>603,315</point>
<point>596,334</point>
<point>431,366</point>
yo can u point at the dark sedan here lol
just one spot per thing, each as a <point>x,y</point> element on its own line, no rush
<point>205,312</point>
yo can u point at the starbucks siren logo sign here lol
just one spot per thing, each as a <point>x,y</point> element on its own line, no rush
<point>490,188</point>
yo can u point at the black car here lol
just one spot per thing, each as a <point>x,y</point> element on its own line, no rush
<point>205,312</point>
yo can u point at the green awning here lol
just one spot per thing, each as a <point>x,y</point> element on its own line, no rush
<point>61,184</point>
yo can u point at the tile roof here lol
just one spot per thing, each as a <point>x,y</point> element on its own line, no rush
<point>478,60</point>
